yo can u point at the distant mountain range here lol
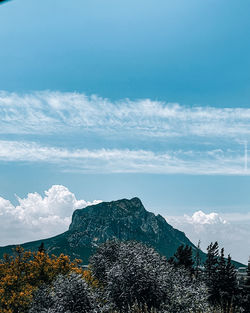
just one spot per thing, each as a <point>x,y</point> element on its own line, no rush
<point>123,219</point>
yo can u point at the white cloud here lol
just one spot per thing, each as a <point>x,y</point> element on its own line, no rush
<point>36,217</point>
<point>231,230</point>
<point>125,160</point>
<point>166,138</point>
<point>201,218</point>
<point>49,112</point>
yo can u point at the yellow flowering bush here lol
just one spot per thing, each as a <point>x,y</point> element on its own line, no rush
<point>23,273</point>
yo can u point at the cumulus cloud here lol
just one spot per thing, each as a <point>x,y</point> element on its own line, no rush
<point>47,112</point>
<point>36,216</point>
<point>232,231</point>
<point>201,218</point>
<point>126,160</point>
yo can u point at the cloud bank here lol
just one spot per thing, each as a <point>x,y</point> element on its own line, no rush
<point>232,231</point>
<point>36,216</point>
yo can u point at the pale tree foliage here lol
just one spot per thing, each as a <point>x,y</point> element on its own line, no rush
<point>68,294</point>
<point>42,300</point>
<point>131,272</point>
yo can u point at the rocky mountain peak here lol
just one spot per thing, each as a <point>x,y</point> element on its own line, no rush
<point>124,220</point>
<point>119,209</point>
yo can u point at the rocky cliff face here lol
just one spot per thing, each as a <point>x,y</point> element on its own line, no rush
<point>123,219</point>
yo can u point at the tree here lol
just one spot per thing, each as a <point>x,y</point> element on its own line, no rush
<point>247,282</point>
<point>42,300</point>
<point>211,260</point>
<point>211,267</point>
<point>220,275</point>
<point>246,290</point>
<point>104,259</point>
<point>220,283</point>
<point>68,293</point>
<point>184,257</point>
<point>197,261</point>
<point>232,289</point>
<point>42,248</point>
<point>138,274</point>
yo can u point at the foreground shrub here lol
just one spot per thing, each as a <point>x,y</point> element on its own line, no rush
<point>131,272</point>
<point>23,273</point>
<point>69,294</point>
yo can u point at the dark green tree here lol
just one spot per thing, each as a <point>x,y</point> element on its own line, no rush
<point>184,257</point>
<point>197,261</point>
<point>221,280</point>
<point>231,286</point>
<point>247,283</point>
<point>211,272</point>
<point>246,290</point>
<point>41,248</point>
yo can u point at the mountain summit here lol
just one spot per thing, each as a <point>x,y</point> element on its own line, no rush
<point>123,219</point>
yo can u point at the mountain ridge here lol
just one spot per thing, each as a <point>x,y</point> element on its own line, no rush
<point>121,219</point>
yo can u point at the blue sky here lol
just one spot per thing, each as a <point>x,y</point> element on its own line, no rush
<point>115,99</point>
<point>193,52</point>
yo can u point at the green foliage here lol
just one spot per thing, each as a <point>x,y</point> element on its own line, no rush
<point>183,257</point>
<point>246,291</point>
<point>221,280</point>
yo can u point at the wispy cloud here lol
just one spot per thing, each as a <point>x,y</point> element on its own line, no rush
<point>49,112</point>
<point>125,160</point>
<point>142,136</point>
